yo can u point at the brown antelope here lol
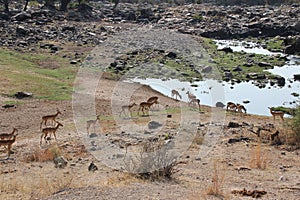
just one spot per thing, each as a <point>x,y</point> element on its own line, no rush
<point>49,130</point>
<point>8,143</point>
<point>175,93</point>
<point>276,113</point>
<point>92,122</point>
<point>240,108</point>
<point>190,96</point>
<point>127,107</point>
<point>8,135</point>
<point>49,118</point>
<point>145,105</point>
<point>153,99</point>
<point>195,102</point>
<point>231,106</point>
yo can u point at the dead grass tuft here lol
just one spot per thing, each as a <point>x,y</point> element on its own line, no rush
<point>258,159</point>
<point>217,182</point>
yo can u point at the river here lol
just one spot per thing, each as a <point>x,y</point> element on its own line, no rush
<point>211,91</point>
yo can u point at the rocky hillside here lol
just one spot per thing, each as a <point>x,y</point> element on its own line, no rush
<point>35,26</point>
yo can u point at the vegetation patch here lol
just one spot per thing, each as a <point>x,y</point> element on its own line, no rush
<point>46,76</point>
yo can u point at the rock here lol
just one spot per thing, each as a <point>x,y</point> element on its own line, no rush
<point>220,105</point>
<point>234,140</point>
<point>22,16</point>
<point>93,135</point>
<point>21,95</point>
<point>297,77</point>
<point>21,30</point>
<point>154,125</point>
<point>73,62</point>
<point>171,55</point>
<point>246,101</point>
<point>264,64</point>
<point>92,167</point>
<point>226,50</point>
<point>280,81</point>
<point>4,16</point>
<point>9,106</point>
<point>207,69</point>
<point>256,76</point>
<point>237,69</point>
<point>60,162</point>
<point>233,125</point>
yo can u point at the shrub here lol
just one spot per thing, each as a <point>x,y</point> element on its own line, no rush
<point>40,155</point>
<point>294,124</point>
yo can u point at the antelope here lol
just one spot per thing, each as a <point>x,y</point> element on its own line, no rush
<point>190,95</point>
<point>91,122</point>
<point>49,130</point>
<point>196,102</point>
<point>49,117</point>
<point>145,105</point>
<point>231,106</point>
<point>240,108</point>
<point>8,135</point>
<point>276,113</point>
<point>8,143</point>
<point>153,99</point>
<point>176,94</point>
<point>127,107</point>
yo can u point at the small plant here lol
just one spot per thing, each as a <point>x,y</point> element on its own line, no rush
<point>294,124</point>
<point>198,17</point>
<point>217,182</point>
<point>152,163</point>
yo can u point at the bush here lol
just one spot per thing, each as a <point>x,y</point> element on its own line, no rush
<point>295,127</point>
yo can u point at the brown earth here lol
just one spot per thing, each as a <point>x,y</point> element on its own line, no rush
<point>26,176</point>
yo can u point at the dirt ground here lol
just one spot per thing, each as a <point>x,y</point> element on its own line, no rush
<point>227,164</point>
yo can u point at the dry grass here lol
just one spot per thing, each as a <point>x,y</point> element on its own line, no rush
<point>215,188</point>
<point>34,185</point>
<point>43,155</point>
<point>258,159</point>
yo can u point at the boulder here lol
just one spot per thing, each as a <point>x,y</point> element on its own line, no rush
<point>220,105</point>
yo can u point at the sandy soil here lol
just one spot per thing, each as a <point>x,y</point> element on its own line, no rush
<point>26,176</point>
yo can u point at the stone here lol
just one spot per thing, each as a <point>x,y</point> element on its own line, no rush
<point>21,95</point>
<point>207,69</point>
<point>154,125</point>
<point>92,167</point>
<point>60,162</point>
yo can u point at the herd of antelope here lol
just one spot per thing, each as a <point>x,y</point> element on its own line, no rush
<point>7,139</point>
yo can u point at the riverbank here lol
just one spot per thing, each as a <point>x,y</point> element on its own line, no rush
<point>226,141</point>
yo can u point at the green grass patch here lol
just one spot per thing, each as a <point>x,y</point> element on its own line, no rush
<point>46,76</point>
<point>248,62</point>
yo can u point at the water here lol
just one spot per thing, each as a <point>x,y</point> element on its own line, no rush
<point>212,91</point>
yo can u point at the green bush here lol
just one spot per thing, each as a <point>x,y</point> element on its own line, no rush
<point>295,126</point>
